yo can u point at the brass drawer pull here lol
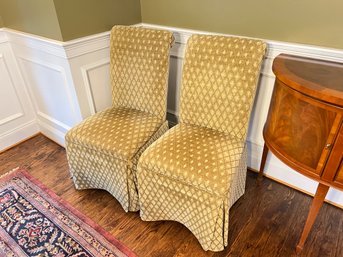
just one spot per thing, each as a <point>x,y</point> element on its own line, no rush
<point>327,146</point>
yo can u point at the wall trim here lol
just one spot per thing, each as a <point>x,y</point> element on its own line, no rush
<point>274,47</point>
<point>85,76</point>
<point>63,49</point>
<point>52,120</point>
<point>296,188</point>
<point>3,37</point>
<point>85,45</point>
<point>39,43</point>
<point>11,118</point>
<point>18,114</point>
<point>18,133</point>
<point>55,68</point>
<point>52,133</point>
<point>19,142</point>
<point>66,50</point>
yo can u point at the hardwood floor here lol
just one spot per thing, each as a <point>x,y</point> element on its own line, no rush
<point>266,221</point>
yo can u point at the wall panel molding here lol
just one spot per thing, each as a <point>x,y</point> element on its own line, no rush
<point>54,74</point>
<point>18,133</point>
<point>33,78</point>
<point>3,37</point>
<point>11,118</point>
<point>10,95</point>
<point>85,70</point>
<point>17,118</point>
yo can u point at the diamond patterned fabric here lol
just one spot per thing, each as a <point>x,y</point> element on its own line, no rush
<point>104,149</point>
<point>139,67</point>
<point>219,81</point>
<point>196,171</point>
<point>197,156</point>
<point>116,131</point>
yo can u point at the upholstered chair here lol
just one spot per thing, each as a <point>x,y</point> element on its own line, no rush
<point>196,171</point>
<point>103,150</point>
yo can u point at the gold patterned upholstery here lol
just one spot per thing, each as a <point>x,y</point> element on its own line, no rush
<point>196,171</point>
<point>139,69</point>
<point>103,150</point>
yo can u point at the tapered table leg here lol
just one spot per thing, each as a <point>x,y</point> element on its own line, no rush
<point>317,203</point>
<point>263,162</point>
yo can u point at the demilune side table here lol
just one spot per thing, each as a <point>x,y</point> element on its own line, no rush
<point>304,128</point>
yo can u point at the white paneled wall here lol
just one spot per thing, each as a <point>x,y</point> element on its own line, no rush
<point>96,80</point>
<point>50,86</point>
<point>62,82</point>
<point>17,117</point>
<point>46,71</point>
<point>174,85</point>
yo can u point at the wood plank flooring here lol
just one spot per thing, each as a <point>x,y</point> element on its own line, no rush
<point>266,221</point>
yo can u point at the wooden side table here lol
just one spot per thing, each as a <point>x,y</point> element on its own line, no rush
<point>304,128</point>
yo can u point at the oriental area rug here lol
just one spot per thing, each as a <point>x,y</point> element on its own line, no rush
<point>36,222</point>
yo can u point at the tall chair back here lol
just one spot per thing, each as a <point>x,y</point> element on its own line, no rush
<point>219,82</point>
<point>139,69</point>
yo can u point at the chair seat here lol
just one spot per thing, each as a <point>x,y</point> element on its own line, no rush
<point>119,132</point>
<point>196,156</point>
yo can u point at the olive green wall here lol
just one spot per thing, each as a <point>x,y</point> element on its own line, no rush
<point>31,16</point>
<point>79,18</point>
<point>1,22</point>
<point>68,19</point>
<point>318,22</point>
<point>311,22</point>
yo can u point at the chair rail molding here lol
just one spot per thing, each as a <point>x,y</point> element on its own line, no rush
<point>29,41</point>
<point>61,83</point>
<point>83,46</point>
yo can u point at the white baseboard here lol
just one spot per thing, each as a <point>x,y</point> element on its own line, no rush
<point>18,134</point>
<point>278,171</point>
<point>52,133</point>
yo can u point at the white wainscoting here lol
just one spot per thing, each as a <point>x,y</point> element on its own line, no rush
<point>68,81</point>
<point>17,118</point>
<point>51,90</point>
<point>47,67</point>
<point>92,81</point>
<point>64,82</point>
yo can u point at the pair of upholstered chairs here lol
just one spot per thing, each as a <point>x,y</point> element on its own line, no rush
<point>192,173</point>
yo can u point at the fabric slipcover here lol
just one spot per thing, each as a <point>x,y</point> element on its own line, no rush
<point>196,171</point>
<point>103,150</point>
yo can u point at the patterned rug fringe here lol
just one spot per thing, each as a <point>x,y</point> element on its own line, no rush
<point>10,172</point>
